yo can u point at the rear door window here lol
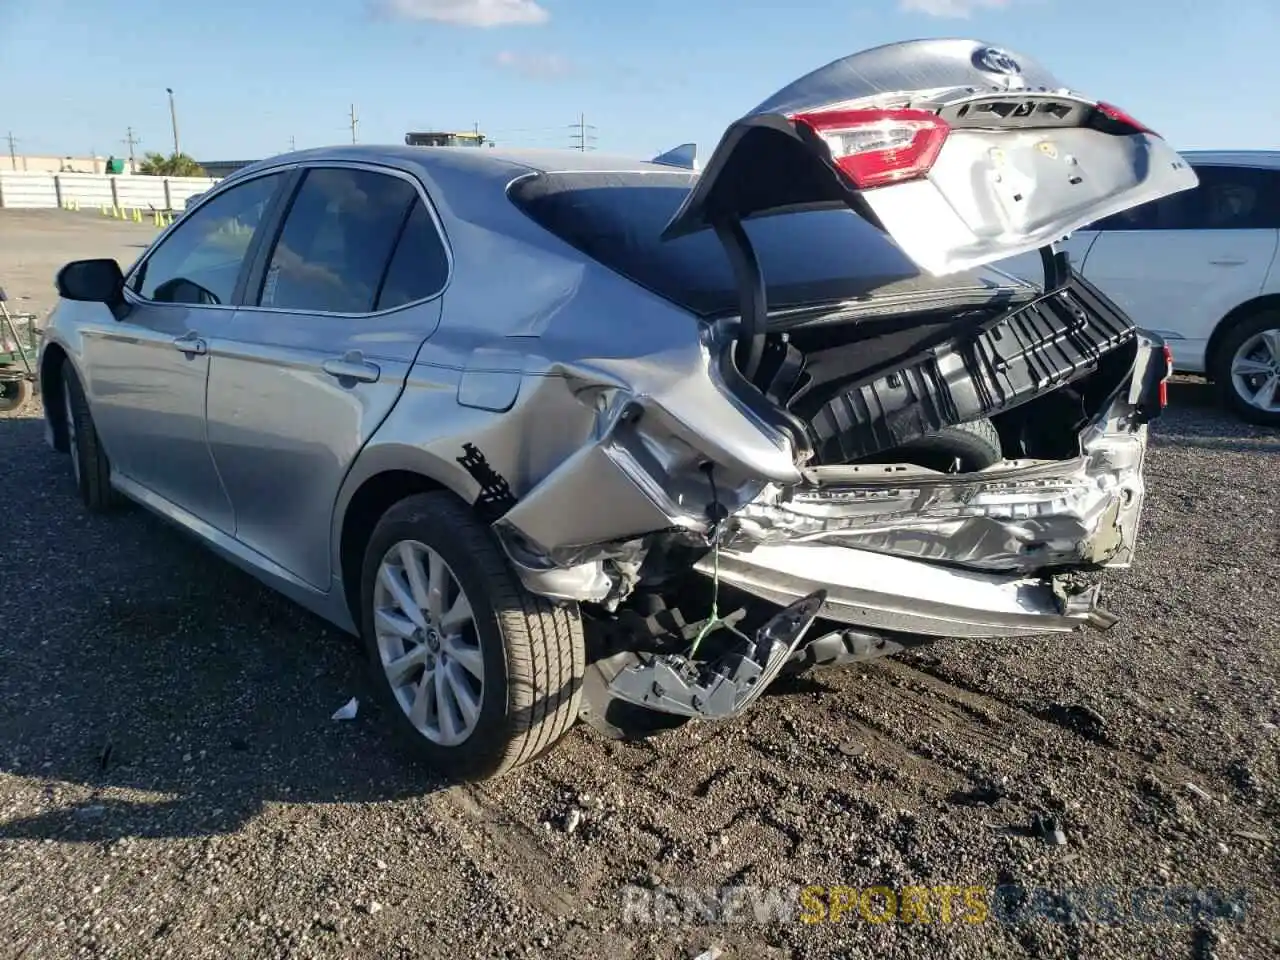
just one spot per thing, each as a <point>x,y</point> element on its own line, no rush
<point>337,241</point>
<point>1227,198</point>
<point>419,267</point>
<point>1236,198</point>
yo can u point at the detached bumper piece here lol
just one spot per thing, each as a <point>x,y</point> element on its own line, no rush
<point>726,686</point>
<point>1040,346</point>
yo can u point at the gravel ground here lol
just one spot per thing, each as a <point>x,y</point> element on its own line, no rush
<point>171,783</point>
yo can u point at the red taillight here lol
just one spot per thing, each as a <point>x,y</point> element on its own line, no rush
<point>1164,381</point>
<point>1112,112</point>
<point>877,147</point>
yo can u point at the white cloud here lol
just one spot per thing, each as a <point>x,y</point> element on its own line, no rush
<point>535,66</point>
<point>954,9</point>
<point>465,13</point>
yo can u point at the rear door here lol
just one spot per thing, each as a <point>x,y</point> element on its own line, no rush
<point>1179,265</point>
<point>338,304</point>
<point>964,153</point>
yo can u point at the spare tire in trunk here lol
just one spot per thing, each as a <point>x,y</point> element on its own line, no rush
<point>962,448</point>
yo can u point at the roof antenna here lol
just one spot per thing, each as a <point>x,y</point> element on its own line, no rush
<point>684,156</point>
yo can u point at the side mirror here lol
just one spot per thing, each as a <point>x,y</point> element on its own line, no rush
<point>93,281</point>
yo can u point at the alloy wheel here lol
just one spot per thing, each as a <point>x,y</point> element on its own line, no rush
<point>1255,371</point>
<point>72,446</point>
<point>427,642</point>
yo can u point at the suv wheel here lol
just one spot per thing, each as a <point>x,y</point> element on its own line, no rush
<point>1247,369</point>
<point>478,674</point>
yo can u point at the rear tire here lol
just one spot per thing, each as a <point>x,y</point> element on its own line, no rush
<point>1252,344</point>
<point>976,445</point>
<point>13,394</point>
<point>499,670</point>
<point>90,469</point>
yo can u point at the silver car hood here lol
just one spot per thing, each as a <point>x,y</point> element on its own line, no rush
<point>1018,160</point>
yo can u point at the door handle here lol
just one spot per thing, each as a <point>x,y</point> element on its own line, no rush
<point>351,366</point>
<point>1228,262</point>
<point>191,345</point>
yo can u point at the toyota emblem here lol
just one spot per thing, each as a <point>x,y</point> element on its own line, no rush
<point>995,60</point>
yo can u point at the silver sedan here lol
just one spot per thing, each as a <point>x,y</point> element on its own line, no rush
<point>569,436</point>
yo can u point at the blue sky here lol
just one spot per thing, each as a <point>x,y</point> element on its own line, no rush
<point>648,74</point>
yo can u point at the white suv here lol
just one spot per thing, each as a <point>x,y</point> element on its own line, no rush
<point>1200,269</point>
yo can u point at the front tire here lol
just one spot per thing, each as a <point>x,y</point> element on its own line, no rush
<point>478,674</point>
<point>90,468</point>
<point>1246,369</point>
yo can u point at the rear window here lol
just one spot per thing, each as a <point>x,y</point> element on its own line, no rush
<point>811,257</point>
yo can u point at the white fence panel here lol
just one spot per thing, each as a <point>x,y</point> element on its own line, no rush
<point>142,192</point>
<point>180,188</point>
<point>38,191</point>
<point>27,191</point>
<point>86,189</point>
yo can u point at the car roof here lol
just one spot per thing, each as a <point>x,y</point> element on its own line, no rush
<point>481,160</point>
<point>1269,159</point>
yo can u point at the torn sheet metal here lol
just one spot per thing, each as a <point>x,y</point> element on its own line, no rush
<point>1018,518</point>
<point>643,470</point>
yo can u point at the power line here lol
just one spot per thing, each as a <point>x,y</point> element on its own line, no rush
<point>582,139</point>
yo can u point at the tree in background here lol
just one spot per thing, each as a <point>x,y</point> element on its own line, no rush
<point>175,165</point>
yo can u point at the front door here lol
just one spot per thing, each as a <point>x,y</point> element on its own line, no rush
<point>315,360</point>
<point>148,372</point>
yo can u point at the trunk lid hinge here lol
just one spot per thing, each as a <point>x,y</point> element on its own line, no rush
<point>753,304</point>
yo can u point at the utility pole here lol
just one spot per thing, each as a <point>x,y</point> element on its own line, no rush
<point>354,121</point>
<point>582,139</point>
<point>130,139</point>
<point>292,145</point>
<point>173,119</point>
<point>13,151</point>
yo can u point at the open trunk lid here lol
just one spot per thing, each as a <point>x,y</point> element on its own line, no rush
<point>964,153</point>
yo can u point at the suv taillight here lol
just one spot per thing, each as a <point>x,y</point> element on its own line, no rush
<point>1164,381</point>
<point>878,147</point>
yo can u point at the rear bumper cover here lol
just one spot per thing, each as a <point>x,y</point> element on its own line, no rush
<point>879,592</point>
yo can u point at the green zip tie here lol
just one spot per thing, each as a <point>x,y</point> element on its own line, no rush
<point>714,620</point>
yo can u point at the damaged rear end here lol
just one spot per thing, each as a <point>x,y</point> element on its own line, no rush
<point>936,450</point>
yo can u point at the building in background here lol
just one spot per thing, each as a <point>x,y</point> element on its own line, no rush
<point>29,163</point>
<point>473,138</point>
<point>222,168</point>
